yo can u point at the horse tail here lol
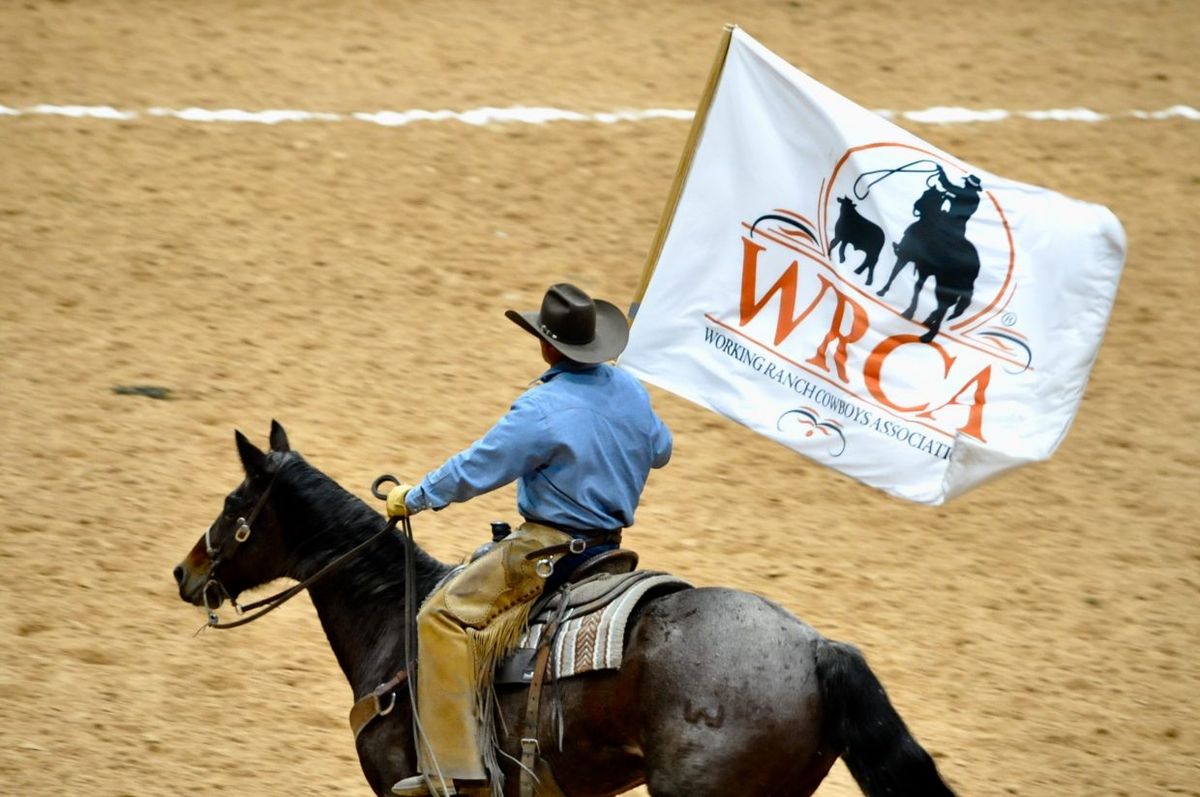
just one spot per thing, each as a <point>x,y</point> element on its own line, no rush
<point>877,747</point>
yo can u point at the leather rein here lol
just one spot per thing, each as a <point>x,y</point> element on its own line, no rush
<point>366,709</point>
<point>214,590</point>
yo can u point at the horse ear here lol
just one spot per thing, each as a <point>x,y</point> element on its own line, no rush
<point>279,441</point>
<point>253,460</point>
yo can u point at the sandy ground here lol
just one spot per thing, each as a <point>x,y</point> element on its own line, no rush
<point>1039,635</point>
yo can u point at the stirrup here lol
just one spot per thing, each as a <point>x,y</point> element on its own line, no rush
<point>408,787</point>
<point>418,786</point>
<point>415,786</point>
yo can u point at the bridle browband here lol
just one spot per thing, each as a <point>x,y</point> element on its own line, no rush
<point>270,604</point>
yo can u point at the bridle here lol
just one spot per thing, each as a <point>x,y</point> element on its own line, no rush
<point>371,703</point>
<point>214,591</point>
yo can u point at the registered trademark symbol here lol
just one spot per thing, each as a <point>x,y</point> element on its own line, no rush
<point>1008,319</point>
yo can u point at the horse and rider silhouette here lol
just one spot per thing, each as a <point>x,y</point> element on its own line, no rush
<point>936,244</point>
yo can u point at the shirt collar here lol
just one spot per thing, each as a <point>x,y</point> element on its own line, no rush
<point>566,367</point>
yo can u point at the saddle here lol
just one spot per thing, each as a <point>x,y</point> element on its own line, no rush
<point>579,628</point>
<point>585,621</point>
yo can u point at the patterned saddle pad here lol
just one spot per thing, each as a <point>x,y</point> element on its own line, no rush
<point>591,636</point>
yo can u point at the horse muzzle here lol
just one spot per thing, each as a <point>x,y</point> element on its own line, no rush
<point>192,586</point>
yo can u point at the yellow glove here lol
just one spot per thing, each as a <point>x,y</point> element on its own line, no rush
<point>395,501</point>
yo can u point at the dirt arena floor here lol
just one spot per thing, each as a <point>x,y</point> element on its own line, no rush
<point>1040,635</point>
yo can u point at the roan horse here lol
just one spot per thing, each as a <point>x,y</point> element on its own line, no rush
<point>936,249</point>
<point>721,693</point>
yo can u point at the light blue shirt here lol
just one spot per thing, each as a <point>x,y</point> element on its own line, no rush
<point>579,445</point>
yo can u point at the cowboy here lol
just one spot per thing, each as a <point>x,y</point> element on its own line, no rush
<point>964,200</point>
<point>580,445</point>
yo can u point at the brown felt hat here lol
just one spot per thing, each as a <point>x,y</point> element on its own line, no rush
<point>584,329</point>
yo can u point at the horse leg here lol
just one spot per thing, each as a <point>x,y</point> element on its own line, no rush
<point>900,263</point>
<point>964,301</point>
<point>922,275</point>
<point>945,297</point>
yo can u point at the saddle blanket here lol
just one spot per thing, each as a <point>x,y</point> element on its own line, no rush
<point>591,636</point>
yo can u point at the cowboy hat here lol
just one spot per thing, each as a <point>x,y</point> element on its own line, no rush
<point>583,329</point>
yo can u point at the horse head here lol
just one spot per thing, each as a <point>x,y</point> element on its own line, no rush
<point>241,548</point>
<point>929,203</point>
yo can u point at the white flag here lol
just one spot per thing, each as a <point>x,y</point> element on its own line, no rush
<point>841,286</point>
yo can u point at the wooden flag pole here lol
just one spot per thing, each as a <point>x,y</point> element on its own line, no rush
<point>685,166</point>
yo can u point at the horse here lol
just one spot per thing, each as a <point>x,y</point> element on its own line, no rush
<point>721,692</point>
<point>939,249</point>
<point>860,232</point>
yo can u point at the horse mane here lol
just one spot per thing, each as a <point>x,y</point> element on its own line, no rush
<point>324,520</point>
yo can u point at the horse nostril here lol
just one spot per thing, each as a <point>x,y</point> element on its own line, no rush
<point>178,574</point>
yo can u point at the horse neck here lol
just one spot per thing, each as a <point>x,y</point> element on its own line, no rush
<point>929,203</point>
<point>361,605</point>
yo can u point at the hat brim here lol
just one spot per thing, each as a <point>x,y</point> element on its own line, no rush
<point>612,333</point>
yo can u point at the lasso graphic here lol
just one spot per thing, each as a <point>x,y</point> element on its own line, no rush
<point>861,193</point>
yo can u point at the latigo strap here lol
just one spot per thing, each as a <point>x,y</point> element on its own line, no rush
<point>530,748</point>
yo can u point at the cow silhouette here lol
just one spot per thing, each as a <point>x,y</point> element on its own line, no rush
<point>937,246</point>
<point>860,232</point>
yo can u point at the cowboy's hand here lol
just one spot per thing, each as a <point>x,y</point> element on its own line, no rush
<point>395,501</point>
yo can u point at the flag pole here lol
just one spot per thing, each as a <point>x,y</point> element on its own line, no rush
<point>685,166</point>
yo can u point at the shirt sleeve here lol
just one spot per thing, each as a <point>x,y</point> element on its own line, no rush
<point>518,443</point>
<point>947,185</point>
<point>663,443</point>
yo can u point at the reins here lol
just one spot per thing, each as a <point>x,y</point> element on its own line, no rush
<point>371,706</point>
<point>270,604</point>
